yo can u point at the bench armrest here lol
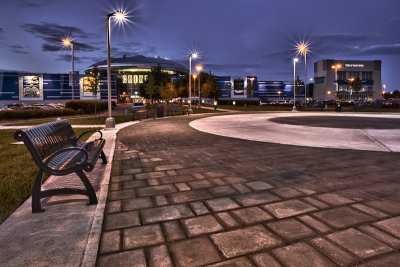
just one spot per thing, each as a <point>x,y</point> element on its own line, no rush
<point>91,131</point>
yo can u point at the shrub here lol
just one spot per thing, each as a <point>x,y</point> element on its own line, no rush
<point>86,106</point>
<point>36,113</point>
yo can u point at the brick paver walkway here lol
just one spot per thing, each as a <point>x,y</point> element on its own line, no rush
<point>186,198</point>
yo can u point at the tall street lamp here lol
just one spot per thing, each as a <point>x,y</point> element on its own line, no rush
<point>302,49</point>
<point>295,60</point>
<point>119,17</point>
<point>336,68</point>
<point>192,55</point>
<point>194,85</point>
<point>67,42</point>
<point>199,68</point>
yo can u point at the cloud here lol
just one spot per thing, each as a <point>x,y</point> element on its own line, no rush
<point>18,49</point>
<point>80,59</point>
<point>133,48</point>
<point>385,49</point>
<point>31,4</point>
<point>52,33</point>
<point>1,30</point>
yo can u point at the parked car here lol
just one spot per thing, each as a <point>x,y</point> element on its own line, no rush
<point>16,106</point>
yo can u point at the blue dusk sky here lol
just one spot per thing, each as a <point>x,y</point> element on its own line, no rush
<point>233,37</point>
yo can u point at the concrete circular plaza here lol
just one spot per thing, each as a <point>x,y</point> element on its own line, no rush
<point>373,132</point>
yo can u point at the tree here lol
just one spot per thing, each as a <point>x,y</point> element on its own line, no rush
<point>94,86</point>
<point>209,87</point>
<point>157,86</point>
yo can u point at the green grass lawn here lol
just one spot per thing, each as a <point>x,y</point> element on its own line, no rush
<point>17,173</point>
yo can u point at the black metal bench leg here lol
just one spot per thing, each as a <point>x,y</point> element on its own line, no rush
<point>36,205</point>
<point>103,157</point>
<point>89,187</point>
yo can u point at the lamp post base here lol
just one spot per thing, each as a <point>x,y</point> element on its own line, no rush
<point>294,109</point>
<point>110,123</point>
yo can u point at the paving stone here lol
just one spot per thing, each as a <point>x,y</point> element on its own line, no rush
<point>239,262</point>
<point>302,254</point>
<point>290,229</point>
<point>356,195</point>
<point>121,178</point>
<point>159,257</point>
<point>166,213</point>
<point>288,208</point>
<point>390,225</point>
<point>259,185</point>
<point>110,241</point>
<point>227,220</point>
<point>252,215</point>
<point>121,194</point>
<point>168,167</point>
<point>215,174</point>
<point>137,203</point>
<point>201,225</point>
<point>389,207</point>
<point>334,199</point>
<point>256,198</point>
<point>153,181</point>
<point>241,188</point>
<point>381,236</point>
<point>217,181</point>
<point>128,258</point>
<point>315,203</point>
<point>191,252</point>
<point>161,200</point>
<point>149,175</point>
<point>287,192</point>
<point>199,208</point>
<point>134,184</point>
<point>234,180</point>
<point>132,171</point>
<point>246,240</point>
<point>265,259</point>
<point>175,179</point>
<point>392,259</point>
<point>358,243</point>
<point>313,223</point>
<point>222,204</point>
<point>171,173</point>
<point>200,184</point>
<point>113,206</point>
<point>370,211</point>
<point>121,220</point>
<point>156,190</point>
<point>189,196</point>
<point>305,190</point>
<point>199,176</point>
<point>173,231</point>
<point>343,217</point>
<point>115,186</point>
<point>340,256</point>
<point>220,191</point>
<point>182,186</point>
<point>142,236</point>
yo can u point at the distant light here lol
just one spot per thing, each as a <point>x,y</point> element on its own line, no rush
<point>120,16</point>
<point>194,76</point>
<point>67,42</point>
<point>194,55</point>
<point>295,60</point>
<point>199,68</point>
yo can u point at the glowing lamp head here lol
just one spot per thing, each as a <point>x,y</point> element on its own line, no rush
<point>67,42</point>
<point>194,55</point>
<point>120,16</point>
<point>194,76</point>
<point>199,68</point>
<point>295,60</point>
<point>302,48</point>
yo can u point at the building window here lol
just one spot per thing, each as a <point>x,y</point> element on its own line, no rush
<point>320,80</point>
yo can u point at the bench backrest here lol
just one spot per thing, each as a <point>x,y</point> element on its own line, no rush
<point>45,139</point>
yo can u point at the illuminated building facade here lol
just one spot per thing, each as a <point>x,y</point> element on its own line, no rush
<point>334,79</point>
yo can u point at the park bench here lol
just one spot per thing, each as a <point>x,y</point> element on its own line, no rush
<point>141,112</point>
<point>56,150</point>
<point>174,108</point>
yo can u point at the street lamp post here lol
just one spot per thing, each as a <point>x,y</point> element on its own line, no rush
<point>302,49</point>
<point>336,67</point>
<point>194,85</point>
<point>67,42</point>
<point>120,17</point>
<point>199,68</point>
<point>295,60</point>
<point>192,55</point>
